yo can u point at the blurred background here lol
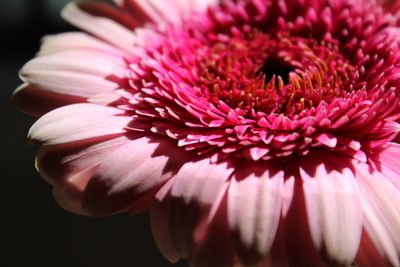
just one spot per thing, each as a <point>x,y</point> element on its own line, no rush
<point>36,231</point>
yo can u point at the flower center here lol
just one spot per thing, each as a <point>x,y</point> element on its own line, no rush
<point>273,74</point>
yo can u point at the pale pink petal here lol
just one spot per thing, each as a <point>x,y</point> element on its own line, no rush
<point>103,27</point>
<point>58,163</point>
<point>333,206</point>
<point>134,172</point>
<point>161,11</point>
<point>254,208</point>
<point>75,41</point>
<point>161,223</point>
<point>389,163</point>
<point>69,193</point>
<point>294,236</point>
<point>75,73</point>
<point>191,209</point>
<point>78,122</point>
<point>102,9</point>
<point>36,102</point>
<point>198,183</point>
<point>381,207</point>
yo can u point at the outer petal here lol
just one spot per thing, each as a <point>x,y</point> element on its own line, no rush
<point>389,163</point>
<point>78,122</point>
<point>69,167</point>
<point>37,102</point>
<point>100,25</point>
<point>132,173</point>
<point>254,208</point>
<point>76,41</point>
<point>185,217</point>
<point>333,206</point>
<point>76,73</point>
<point>60,163</point>
<point>161,11</point>
<point>381,207</point>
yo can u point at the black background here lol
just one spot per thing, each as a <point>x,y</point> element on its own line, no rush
<point>35,230</point>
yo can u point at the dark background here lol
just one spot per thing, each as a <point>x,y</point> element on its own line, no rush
<point>35,230</point>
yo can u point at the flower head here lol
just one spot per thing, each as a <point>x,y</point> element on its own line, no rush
<point>258,132</point>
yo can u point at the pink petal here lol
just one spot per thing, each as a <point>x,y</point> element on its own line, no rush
<point>381,207</point>
<point>37,102</point>
<point>333,206</point>
<point>134,172</point>
<point>103,27</point>
<point>75,73</point>
<point>189,212</point>
<point>75,41</point>
<point>161,223</point>
<point>78,122</point>
<point>389,163</point>
<point>69,194</point>
<point>197,183</point>
<point>161,11</point>
<point>58,163</point>
<point>254,207</point>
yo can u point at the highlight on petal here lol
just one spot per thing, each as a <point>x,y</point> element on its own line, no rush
<point>75,41</point>
<point>75,73</point>
<point>254,208</point>
<point>78,122</point>
<point>186,213</point>
<point>381,208</point>
<point>333,205</point>
<point>132,173</point>
<point>99,25</point>
<point>388,163</point>
<point>162,11</point>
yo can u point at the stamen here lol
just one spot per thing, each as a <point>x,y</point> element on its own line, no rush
<point>273,73</point>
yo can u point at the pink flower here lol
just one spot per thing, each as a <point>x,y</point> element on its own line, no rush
<point>257,132</point>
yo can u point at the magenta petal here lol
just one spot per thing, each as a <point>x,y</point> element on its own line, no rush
<point>133,172</point>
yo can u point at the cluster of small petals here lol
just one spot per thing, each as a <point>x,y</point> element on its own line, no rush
<point>262,81</point>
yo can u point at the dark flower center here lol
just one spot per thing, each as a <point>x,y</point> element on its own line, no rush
<point>273,74</point>
<point>276,67</point>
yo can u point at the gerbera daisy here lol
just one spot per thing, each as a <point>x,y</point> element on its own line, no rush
<point>257,132</point>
